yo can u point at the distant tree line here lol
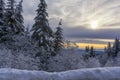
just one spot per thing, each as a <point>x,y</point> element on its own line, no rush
<point>113,51</point>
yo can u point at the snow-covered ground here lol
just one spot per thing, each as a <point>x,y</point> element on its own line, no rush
<point>81,74</point>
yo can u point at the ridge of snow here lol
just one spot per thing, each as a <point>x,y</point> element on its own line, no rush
<point>108,73</point>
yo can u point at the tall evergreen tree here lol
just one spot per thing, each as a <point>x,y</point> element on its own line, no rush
<point>19,11</point>
<point>58,38</point>
<point>3,27</point>
<point>42,32</point>
<point>1,12</point>
<point>42,35</point>
<point>92,52</point>
<point>109,50</point>
<point>9,15</point>
<point>116,47</point>
<point>87,49</point>
<point>11,18</point>
<point>19,16</point>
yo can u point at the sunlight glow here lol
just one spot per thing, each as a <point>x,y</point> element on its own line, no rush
<point>92,14</point>
<point>94,25</point>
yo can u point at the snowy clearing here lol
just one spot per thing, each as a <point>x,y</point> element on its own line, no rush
<point>81,74</point>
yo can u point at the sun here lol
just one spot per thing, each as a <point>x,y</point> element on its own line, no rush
<point>94,25</point>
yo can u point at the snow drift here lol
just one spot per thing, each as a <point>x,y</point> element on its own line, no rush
<point>81,74</point>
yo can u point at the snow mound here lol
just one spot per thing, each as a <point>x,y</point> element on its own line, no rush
<point>81,74</point>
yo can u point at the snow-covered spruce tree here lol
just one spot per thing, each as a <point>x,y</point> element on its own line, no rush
<point>58,38</point>
<point>109,50</point>
<point>15,27</point>
<point>42,34</point>
<point>1,12</point>
<point>92,52</point>
<point>19,16</point>
<point>19,11</point>
<point>3,27</point>
<point>116,47</point>
<point>87,49</point>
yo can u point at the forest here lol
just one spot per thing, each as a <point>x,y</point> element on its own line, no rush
<point>41,48</point>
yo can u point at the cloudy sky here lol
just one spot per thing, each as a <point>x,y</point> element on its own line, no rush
<point>82,19</point>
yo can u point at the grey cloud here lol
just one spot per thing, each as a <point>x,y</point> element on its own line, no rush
<point>81,32</point>
<point>77,14</point>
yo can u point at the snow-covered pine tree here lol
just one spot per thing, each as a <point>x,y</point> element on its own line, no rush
<point>9,15</point>
<point>116,47</point>
<point>11,18</point>
<point>58,38</point>
<point>92,52</point>
<point>109,50</point>
<point>3,27</point>
<point>19,11</point>
<point>87,49</point>
<point>42,33</point>
<point>1,12</point>
<point>19,16</point>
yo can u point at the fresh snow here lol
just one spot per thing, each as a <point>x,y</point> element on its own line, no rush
<point>112,73</point>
